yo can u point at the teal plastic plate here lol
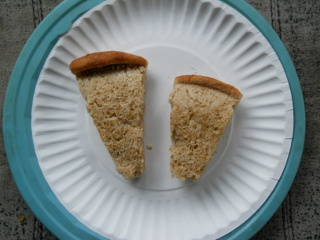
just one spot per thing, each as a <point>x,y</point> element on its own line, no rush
<point>19,141</point>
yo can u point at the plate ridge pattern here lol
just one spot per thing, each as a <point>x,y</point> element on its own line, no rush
<point>72,157</point>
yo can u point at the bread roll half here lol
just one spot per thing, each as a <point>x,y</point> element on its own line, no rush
<point>201,108</point>
<point>113,85</point>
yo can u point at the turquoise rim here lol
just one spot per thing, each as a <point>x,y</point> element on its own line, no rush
<point>18,137</point>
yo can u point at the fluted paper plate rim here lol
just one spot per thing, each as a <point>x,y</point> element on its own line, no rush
<point>18,137</point>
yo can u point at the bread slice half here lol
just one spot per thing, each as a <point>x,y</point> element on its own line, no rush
<point>201,108</point>
<point>113,85</point>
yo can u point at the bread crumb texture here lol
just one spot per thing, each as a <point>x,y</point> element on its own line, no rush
<point>199,116</point>
<point>115,101</point>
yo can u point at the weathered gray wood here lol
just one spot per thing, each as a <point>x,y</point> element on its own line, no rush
<point>296,22</point>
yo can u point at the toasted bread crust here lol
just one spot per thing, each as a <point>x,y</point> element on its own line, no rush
<point>101,59</point>
<point>211,83</point>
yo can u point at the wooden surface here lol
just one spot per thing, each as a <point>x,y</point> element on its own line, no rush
<point>296,22</point>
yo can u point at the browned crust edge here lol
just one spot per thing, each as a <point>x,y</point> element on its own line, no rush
<point>101,59</point>
<point>211,83</point>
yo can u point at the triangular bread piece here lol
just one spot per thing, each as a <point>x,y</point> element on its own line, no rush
<point>201,108</point>
<point>113,84</point>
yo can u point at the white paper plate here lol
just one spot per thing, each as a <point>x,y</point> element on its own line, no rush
<point>176,37</point>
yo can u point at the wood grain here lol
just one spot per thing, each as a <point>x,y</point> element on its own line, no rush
<point>37,12</point>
